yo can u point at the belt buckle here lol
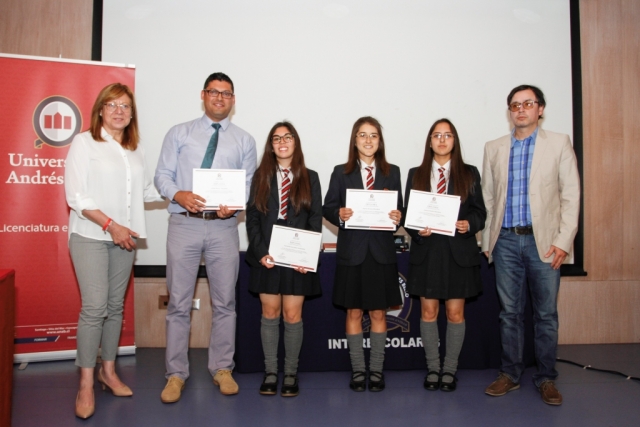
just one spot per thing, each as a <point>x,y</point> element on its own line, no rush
<point>521,231</point>
<point>209,215</point>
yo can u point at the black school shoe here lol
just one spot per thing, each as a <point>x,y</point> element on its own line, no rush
<point>290,390</point>
<point>269,388</point>
<point>376,381</point>
<point>358,385</point>
<point>448,386</point>
<point>432,385</point>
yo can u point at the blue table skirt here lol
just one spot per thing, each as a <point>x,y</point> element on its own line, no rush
<point>324,346</point>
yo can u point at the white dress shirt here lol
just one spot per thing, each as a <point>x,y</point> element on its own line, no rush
<point>104,176</point>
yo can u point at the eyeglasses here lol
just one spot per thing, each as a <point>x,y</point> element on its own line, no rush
<point>214,93</point>
<point>284,139</point>
<point>112,106</point>
<point>438,135</point>
<point>527,105</point>
<point>371,136</point>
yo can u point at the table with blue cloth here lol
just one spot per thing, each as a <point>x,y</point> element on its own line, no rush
<point>324,346</point>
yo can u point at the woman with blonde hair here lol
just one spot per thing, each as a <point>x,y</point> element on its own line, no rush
<point>106,185</point>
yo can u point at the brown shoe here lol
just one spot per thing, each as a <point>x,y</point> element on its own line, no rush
<point>550,394</point>
<point>501,386</point>
<point>225,381</point>
<point>172,390</point>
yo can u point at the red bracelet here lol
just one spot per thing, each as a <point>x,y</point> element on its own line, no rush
<point>107,224</point>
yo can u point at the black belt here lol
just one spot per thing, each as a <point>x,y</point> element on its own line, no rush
<point>520,230</point>
<point>206,215</point>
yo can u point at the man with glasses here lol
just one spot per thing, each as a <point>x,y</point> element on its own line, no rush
<point>211,141</point>
<point>531,190</point>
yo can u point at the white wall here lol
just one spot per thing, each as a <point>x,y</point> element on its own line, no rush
<point>322,65</point>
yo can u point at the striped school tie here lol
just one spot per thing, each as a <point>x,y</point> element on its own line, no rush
<point>369,177</point>
<point>442,183</point>
<point>284,193</point>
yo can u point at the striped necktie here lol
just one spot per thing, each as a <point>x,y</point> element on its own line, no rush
<point>284,193</point>
<point>369,177</point>
<point>442,182</point>
<point>211,148</point>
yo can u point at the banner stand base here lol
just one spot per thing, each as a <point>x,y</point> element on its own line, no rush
<point>50,356</point>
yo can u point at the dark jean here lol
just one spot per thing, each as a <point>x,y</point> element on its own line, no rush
<point>517,262</point>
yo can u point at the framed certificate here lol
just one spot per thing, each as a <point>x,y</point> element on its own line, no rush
<point>293,247</point>
<point>371,209</point>
<point>221,187</point>
<point>439,212</point>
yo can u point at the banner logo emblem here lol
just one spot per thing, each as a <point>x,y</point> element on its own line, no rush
<point>56,120</point>
<point>397,317</point>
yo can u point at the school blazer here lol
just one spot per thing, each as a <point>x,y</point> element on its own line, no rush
<point>260,226</point>
<point>464,247</point>
<point>554,191</point>
<point>353,245</point>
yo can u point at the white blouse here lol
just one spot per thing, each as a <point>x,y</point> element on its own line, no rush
<point>105,176</point>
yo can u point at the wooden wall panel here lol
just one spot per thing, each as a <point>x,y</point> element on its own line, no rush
<point>150,327</point>
<point>54,28</point>
<point>602,307</point>
<point>603,138</point>
<point>630,104</point>
<point>596,312</point>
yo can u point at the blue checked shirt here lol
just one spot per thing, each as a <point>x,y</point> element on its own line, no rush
<point>517,212</point>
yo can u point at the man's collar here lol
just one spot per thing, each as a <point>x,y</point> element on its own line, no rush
<point>224,123</point>
<point>532,137</point>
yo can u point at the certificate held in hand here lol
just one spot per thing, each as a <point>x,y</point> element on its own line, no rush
<point>439,212</point>
<point>371,209</point>
<point>221,187</point>
<point>294,248</point>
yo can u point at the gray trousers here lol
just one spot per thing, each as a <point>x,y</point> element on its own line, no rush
<point>103,271</point>
<point>188,240</point>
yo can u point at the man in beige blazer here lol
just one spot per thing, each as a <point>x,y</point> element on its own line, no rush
<point>531,190</point>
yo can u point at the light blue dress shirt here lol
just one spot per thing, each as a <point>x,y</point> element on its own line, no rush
<point>184,148</point>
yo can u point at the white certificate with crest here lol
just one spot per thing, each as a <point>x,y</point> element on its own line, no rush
<point>221,187</point>
<point>293,247</point>
<point>371,209</point>
<point>439,212</point>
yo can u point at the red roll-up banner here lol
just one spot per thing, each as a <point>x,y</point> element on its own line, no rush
<point>44,103</point>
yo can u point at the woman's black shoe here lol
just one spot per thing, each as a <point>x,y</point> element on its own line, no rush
<point>271,387</point>
<point>448,386</point>
<point>376,381</point>
<point>358,384</point>
<point>290,390</point>
<point>432,385</point>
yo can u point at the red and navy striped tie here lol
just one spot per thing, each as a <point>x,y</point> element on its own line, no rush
<point>369,177</point>
<point>284,193</point>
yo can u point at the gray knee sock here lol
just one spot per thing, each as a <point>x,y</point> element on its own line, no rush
<point>376,356</point>
<point>356,354</point>
<point>455,338</point>
<point>292,344</point>
<point>430,341</point>
<point>270,334</point>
